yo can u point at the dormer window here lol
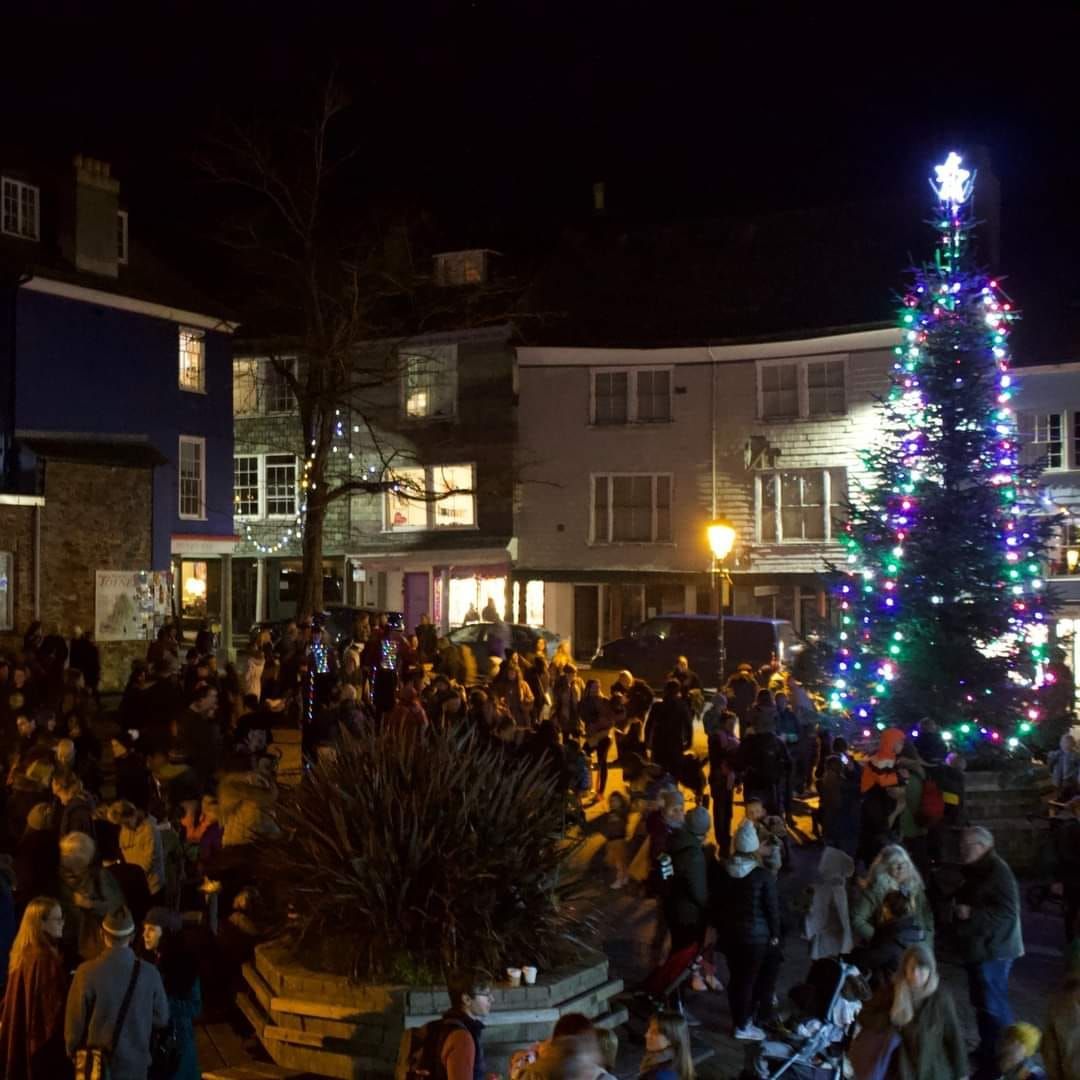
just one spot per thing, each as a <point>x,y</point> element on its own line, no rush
<point>461,267</point>
<point>19,209</point>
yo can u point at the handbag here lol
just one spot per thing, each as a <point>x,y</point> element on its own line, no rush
<point>95,1062</point>
<point>165,1051</point>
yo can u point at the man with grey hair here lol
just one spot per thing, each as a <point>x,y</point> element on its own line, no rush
<point>988,931</point>
<point>115,1002</point>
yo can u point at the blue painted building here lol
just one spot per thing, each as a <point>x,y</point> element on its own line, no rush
<point>101,339</point>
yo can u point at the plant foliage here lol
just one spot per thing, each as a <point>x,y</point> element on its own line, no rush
<point>409,853</point>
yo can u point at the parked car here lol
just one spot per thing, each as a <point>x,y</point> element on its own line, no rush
<point>651,650</point>
<point>478,637</point>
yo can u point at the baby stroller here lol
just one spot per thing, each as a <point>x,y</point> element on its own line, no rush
<point>829,1001</point>
<point>660,989</point>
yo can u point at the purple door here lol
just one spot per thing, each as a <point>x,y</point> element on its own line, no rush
<point>416,600</point>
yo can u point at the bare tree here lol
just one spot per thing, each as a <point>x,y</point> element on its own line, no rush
<point>331,294</point>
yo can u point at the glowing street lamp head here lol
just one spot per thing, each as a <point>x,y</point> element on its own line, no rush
<point>954,184</point>
<point>721,538</point>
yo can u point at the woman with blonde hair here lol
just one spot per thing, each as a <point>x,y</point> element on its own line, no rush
<point>891,871</point>
<point>32,1015</point>
<point>911,1028</point>
<point>667,1049</point>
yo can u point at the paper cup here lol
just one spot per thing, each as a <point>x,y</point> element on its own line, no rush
<point>530,975</point>
<point>514,975</point>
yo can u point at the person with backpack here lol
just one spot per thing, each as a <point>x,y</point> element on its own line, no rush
<point>451,1048</point>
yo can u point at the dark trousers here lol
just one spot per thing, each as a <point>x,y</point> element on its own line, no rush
<point>723,808</point>
<point>603,748</point>
<point>754,971</point>
<point>988,986</point>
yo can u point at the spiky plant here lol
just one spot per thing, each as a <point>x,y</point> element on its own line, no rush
<point>407,854</point>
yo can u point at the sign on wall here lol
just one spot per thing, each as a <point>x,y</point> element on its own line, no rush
<point>130,605</point>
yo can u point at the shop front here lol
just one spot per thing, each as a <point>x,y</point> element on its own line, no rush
<point>202,576</point>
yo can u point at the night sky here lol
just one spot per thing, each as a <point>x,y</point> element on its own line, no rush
<point>512,109</point>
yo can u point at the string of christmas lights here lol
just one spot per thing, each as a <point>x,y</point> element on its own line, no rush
<point>943,611</point>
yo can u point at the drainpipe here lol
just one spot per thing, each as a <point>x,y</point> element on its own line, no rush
<point>37,562</point>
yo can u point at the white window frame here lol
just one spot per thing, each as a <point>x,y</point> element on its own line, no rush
<point>1040,425</point>
<point>632,399</point>
<point>260,370</point>
<point>200,442</point>
<point>122,237</point>
<point>192,334</point>
<point>432,523</point>
<point>449,355</point>
<point>262,512</point>
<point>20,231</point>
<point>827,509</point>
<point>610,477</point>
<point>801,365</point>
<point>7,595</point>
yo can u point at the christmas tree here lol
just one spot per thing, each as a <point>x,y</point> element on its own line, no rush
<point>943,611</point>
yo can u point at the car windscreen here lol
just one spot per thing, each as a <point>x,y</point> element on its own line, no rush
<point>660,628</point>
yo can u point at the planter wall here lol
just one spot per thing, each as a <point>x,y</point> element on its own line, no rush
<point>324,1024</point>
<point>1010,813</point>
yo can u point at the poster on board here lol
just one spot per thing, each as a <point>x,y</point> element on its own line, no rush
<point>130,605</point>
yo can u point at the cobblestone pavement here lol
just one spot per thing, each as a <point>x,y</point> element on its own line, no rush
<point>628,928</point>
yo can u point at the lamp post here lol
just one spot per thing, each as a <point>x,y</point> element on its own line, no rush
<point>721,536</point>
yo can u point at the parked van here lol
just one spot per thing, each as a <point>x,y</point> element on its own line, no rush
<point>651,650</point>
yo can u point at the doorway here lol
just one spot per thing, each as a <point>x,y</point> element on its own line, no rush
<point>586,621</point>
<point>417,599</point>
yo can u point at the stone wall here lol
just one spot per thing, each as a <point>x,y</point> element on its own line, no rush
<point>96,517</point>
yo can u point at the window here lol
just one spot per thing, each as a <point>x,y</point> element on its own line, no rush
<point>631,396</point>
<point>280,485</point>
<point>429,382</point>
<point>780,390</point>
<point>246,485</point>
<point>279,397</point>
<point>192,477</point>
<point>19,209</point>
<point>192,360</point>
<point>825,388</point>
<point>122,237</point>
<point>262,388</point>
<point>801,505</point>
<point>435,497</point>
<point>791,389</point>
<point>245,386</point>
<point>631,509</point>
<point>1063,548</point>
<point>461,268</point>
<point>264,485</point>
<point>7,591</point>
<point>1043,438</point>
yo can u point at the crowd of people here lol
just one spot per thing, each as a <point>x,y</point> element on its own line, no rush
<point>103,845</point>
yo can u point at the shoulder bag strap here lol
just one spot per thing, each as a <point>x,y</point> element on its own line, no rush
<point>122,1016</point>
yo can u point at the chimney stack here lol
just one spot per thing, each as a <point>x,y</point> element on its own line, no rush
<point>97,204</point>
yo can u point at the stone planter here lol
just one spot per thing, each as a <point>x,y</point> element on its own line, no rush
<point>325,1024</point>
<point>1008,812</point>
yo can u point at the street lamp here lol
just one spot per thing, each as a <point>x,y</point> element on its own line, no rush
<point>721,536</point>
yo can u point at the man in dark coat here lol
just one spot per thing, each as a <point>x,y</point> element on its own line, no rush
<point>669,731</point>
<point>989,937</point>
<point>199,734</point>
<point>86,657</point>
<point>741,692</point>
<point>687,896</point>
<point>764,764</point>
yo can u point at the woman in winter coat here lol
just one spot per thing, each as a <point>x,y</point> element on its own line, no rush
<point>140,843</point>
<point>667,1049</point>
<point>748,915</point>
<point>911,1024</point>
<point>32,1016</point>
<point>177,959</point>
<point>891,871</point>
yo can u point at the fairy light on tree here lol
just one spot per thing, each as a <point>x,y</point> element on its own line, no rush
<point>943,610</point>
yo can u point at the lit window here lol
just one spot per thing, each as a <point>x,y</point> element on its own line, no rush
<point>461,268</point>
<point>192,360</point>
<point>246,485</point>
<point>1042,435</point>
<point>814,387</point>
<point>1063,548</point>
<point>7,591</point>
<point>192,476</point>
<point>429,382</point>
<point>801,505</point>
<point>438,497</point>
<point>19,209</point>
<point>122,237</point>
<point>245,387</point>
<point>280,485</point>
<point>631,509</point>
<point>534,603</point>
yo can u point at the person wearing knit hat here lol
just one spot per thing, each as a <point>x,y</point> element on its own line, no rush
<point>748,915</point>
<point>1019,1044</point>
